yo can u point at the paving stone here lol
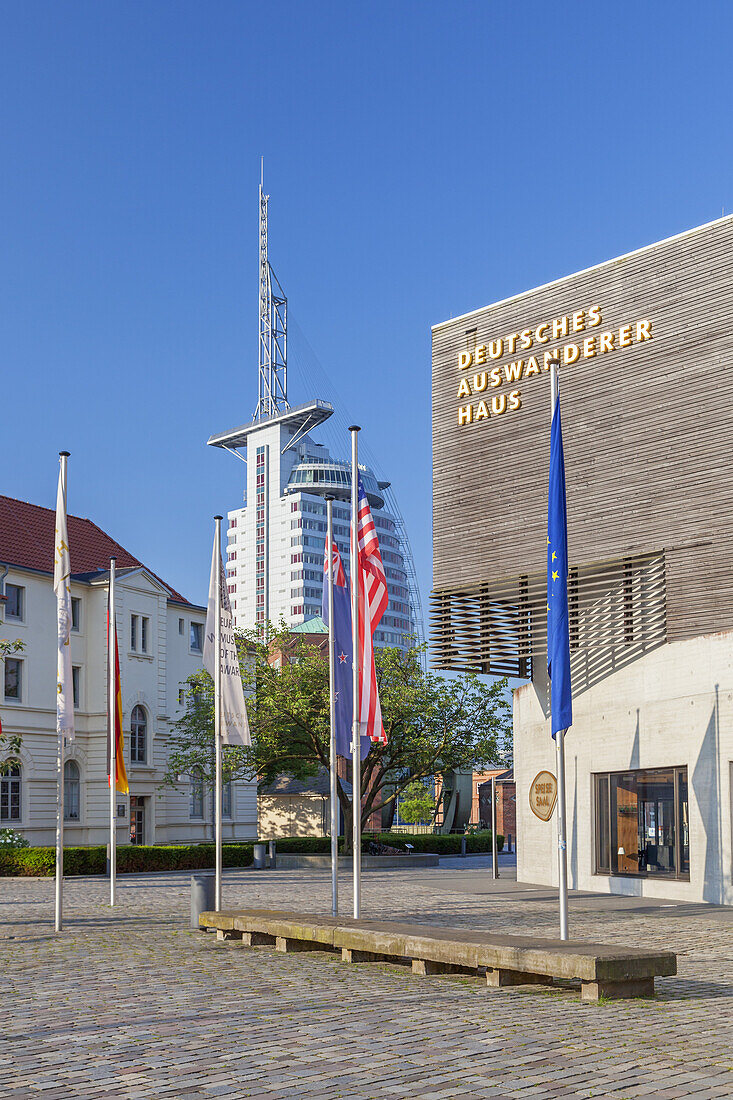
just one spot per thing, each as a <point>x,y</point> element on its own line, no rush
<point>129,1003</point>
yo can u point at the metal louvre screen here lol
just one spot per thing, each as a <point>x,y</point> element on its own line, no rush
<point>617,612</point>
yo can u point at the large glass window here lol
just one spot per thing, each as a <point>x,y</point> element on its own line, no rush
<point>71,790</point>
<point>10,794</point>
<point>642,823</point>
<point>138,735</point>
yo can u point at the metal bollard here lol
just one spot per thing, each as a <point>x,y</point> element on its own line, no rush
<point>203,896</point>
<point>463,845</point>
<point>273,855</point>
<point>509,842</point>
<point>259,860</point>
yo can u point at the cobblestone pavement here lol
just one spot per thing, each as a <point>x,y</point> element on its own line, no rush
<point>132,1004</point>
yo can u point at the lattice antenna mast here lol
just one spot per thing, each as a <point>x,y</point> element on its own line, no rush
<point>272,395</point>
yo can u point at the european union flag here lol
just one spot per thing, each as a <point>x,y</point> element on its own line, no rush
<point>558,631</point>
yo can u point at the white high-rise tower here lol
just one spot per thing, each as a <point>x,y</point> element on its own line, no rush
<point>276,537</point>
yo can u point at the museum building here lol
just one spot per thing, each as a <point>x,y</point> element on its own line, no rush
<point>645,343</point>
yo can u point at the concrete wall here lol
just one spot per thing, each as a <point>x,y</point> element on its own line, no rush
<point>674,706</point>
<point>293,815</point>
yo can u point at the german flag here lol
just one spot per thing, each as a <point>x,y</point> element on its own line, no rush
<point>121,774</point>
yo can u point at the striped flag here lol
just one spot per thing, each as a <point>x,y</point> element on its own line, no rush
<point>373,600</point>
<point>120,771</point>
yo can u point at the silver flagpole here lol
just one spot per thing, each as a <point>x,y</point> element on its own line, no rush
<point>59,905</point>
<point>562,855</point>
<point>217,716</point>
<point>494,850</point>
<point>332,708</point>
<point>112,733</point>
<point>356,740</point>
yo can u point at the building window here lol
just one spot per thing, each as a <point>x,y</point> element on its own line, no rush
<point>10,794</point>
<point>197,793</point>
<point>72,786</point>
<point>181,626</point>
<point>181,697</point>
<point>139,633</point>
<point>76,614</point>
<point>197,637</point>
<point>226,799</point>
<point>13,679</point>
<point>76,685</point>
<point>138,735</point>
<point>15,602</point>
<point>642,823</point>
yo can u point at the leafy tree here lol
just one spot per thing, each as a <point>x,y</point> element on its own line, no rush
<point>417,804</point>
<point>9,742</point>
<point>433,723</point>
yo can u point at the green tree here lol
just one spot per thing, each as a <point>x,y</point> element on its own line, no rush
<point>433,723</point>
<point>9,742</point>
<point>417,804</point>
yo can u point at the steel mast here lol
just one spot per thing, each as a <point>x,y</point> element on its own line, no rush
<point>272,397</point>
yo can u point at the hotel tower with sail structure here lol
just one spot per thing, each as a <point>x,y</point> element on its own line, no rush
<point>276,536</point>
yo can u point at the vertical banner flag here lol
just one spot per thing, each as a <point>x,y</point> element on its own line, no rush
<point>234,721</point>
<point>558,628</point>
<point>120,770</point>
<point>373,600</point>
<point>62,587</point>
<point>343,652</point>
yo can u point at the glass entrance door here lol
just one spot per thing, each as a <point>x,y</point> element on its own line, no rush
<point>137,820</point>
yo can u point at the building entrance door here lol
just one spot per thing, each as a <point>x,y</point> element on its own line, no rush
<point>137,819</point>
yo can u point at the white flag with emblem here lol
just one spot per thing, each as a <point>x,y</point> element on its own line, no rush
<point>234,721</point>
<point>62,587</point>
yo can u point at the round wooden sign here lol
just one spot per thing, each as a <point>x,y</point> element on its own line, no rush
<point>543,795</point>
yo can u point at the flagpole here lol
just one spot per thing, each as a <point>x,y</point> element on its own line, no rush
<point>562,855</point>
<point>112,683</point>
<point>217,717</point>
<point>332,712</point>
<point>59,901</point>
<point>356,740</point>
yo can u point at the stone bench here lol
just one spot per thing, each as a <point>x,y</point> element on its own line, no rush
<point>506,960</point>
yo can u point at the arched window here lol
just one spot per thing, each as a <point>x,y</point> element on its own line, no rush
<point>71,790</point>
<point>197,793</point>
<point>10,793</point>
<point>138,735</point>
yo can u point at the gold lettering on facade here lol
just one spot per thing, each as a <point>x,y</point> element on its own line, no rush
<point>625,336</point>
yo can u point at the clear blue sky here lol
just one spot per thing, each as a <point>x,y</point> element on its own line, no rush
<point>423,159</point>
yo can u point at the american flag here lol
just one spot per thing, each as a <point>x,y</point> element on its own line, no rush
<point>373,600</point>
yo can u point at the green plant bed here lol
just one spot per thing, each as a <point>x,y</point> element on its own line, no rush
<point>130,859</point>
<point>439,843</point>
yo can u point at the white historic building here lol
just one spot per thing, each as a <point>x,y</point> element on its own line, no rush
<point>160,639</point>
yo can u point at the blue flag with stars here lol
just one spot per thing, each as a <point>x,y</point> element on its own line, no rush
<point>558,627</point>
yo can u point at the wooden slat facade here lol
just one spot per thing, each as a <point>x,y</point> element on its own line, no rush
<point>647,432</point>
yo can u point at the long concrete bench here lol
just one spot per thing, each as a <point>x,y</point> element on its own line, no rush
<point>507,960</point>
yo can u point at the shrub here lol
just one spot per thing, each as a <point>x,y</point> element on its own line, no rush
<point>10,839</point>
<point>437,843</point>
<point>130,859</point>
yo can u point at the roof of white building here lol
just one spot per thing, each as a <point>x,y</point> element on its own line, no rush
<point>27,541</point>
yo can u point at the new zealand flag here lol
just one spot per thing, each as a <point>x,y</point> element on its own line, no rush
<point>343,653</point>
